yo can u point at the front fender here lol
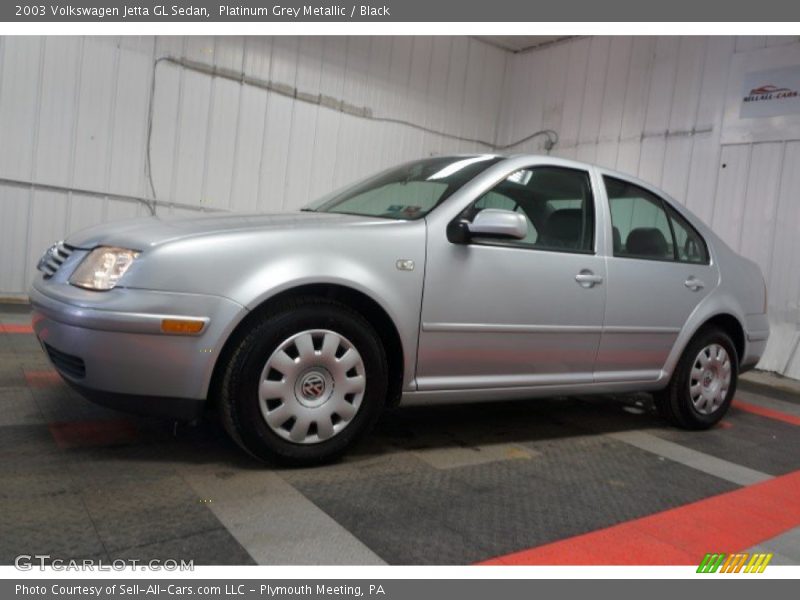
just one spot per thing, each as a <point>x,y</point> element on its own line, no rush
<point>399,296</point>
<point>251,268</point>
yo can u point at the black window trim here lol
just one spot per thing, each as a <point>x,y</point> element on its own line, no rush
<point>515,245</point>
<point>670,213</point>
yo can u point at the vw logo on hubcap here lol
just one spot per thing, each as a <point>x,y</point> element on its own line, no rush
<point>312,386</point>
<point>708,378</point>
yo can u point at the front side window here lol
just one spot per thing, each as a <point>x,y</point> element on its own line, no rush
<point>556,202</point>
<point>644,226</point>
<point>409,191</point>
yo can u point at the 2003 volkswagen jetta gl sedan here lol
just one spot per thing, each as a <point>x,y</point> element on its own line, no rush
<point>445,279</point>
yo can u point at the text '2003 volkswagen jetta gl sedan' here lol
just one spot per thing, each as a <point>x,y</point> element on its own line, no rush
<point>445,279</point>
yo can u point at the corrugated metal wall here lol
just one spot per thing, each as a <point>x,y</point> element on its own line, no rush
<point>75,117</point>
<point>74,122</point>
<point>653,106</point>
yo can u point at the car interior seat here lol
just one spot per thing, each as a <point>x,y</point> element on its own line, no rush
<point>563,228</point>
<point>647,241</point>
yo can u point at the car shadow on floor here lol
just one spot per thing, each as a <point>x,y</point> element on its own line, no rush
<point>406,429</point>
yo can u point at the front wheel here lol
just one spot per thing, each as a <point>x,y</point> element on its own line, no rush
<point>702,387</point>
<point>304,383</point>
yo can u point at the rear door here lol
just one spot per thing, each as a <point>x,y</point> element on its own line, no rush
<point>659,270</point>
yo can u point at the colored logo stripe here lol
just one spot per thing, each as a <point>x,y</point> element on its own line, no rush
<point>735,563</point>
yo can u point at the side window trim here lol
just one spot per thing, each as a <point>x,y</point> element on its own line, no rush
<point>675,256</point>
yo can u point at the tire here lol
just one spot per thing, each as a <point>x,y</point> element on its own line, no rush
<point>294,363</point>
<point>710,358</point>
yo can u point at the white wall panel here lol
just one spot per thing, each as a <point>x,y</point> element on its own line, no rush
<point>220,149</point>
<point>731,192</point>
<point>635,107</point>
<point>14,207</point>
<point>276,141</point>
<point>760,204</point>
<point>784,284</point>
<point>122,209</point>
<point>55,150</point>
<point>610,119</point>
<point>189,165</point>
<point>573,96</point>
<point>593,93</point>
<point>84,211</point>
<point>21,69</point>
<point>99,76</point>
<point>750,42</point>
<point>705,148</point>
<point>248,150</point>
<point>127,149</point>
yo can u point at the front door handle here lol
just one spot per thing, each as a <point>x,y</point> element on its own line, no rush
<point>587,279</point>
<point>694,284</point>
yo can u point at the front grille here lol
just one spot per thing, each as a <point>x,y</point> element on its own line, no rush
<point>66,363</point>
<point>53,259</point>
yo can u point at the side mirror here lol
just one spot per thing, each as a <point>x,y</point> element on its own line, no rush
<point>499,224</point>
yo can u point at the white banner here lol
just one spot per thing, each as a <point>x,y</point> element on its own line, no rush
<point>771,93</point>
<point>763,98</point>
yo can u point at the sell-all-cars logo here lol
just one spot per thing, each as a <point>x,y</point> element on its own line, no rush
<point>741,562</point>
<point>769,92</point>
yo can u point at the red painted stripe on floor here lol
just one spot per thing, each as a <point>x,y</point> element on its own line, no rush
<point>766,412</point>
<point>42,379</point>
<point>729,522</point>
<point>82,434</point>
<point>12,328</point>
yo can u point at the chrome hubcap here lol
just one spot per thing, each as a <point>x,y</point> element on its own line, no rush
<point>312,386</point>
<point>710,379</point>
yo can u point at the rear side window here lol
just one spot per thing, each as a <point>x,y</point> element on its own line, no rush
<point>689,245</point>
<point>644,226</point>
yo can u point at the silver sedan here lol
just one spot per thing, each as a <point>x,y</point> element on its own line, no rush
<point>448,279</point>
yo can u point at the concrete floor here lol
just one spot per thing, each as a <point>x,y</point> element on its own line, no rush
<point>580,480</point>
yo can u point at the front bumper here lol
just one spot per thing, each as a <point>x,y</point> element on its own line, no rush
<point>109,346</point>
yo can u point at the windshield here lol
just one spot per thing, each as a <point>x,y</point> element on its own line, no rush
<point>409,191</point>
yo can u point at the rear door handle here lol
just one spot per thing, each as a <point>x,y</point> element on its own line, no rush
<point>694,284</point>
<point>588,279</point>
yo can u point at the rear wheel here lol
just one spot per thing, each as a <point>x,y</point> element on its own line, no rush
<point>703,384</point>
<point>305,383</point>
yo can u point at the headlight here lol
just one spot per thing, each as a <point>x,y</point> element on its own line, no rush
<point>103,268</point>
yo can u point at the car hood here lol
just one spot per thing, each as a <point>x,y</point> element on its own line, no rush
<point>147,232</point>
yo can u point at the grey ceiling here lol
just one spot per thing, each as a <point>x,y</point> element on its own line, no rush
<point>517,43</point>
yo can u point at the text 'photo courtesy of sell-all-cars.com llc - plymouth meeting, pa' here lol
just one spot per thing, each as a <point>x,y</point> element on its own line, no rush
<point>447,279</point>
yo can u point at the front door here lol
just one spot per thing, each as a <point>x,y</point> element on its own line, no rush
<point>516,313</point>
